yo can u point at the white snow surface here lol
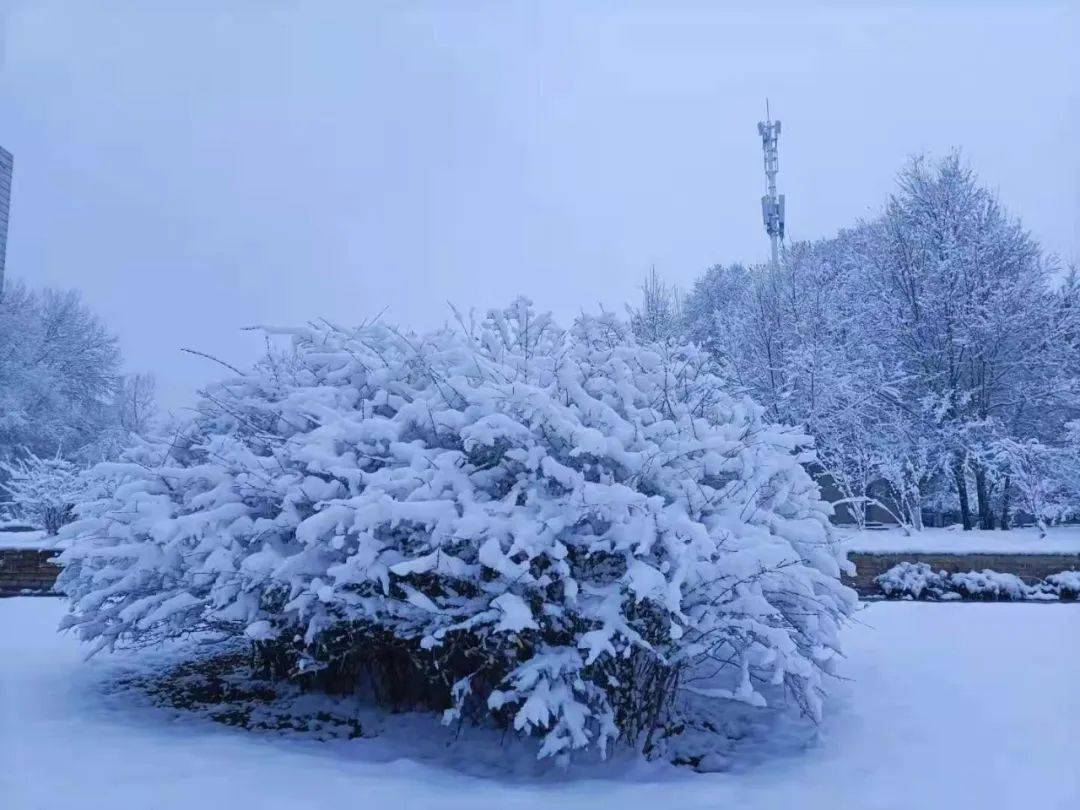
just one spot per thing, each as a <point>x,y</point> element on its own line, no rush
<point>34,539</point>
<point>952,540</point>
<point>948,705</point>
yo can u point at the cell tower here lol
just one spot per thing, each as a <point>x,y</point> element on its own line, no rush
<point>772,205</point>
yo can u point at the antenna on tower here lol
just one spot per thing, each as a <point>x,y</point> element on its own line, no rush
<point>772,204</point>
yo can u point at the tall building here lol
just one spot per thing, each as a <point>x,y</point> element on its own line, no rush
<point>6,163</point>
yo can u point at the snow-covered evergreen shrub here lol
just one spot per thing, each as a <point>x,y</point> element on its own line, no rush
<point>913,581</point>
<point>558,530</point>
<point>991,586</point>
<point>919,581</point>
<point>1065,584</point>
<point>43,491</point>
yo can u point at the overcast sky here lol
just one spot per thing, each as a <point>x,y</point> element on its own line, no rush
<point>198,167</point>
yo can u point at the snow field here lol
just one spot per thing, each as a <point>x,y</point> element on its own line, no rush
<point>944,706</point>
<point>1058,540</point>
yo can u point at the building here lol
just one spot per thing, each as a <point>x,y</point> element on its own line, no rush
<point>6,163</point>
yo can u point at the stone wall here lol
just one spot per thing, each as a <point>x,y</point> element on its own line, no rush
<point>27,571</point>
<point>1029,567</point>
<point>24,571</point>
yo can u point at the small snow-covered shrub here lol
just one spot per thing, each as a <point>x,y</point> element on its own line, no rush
<point>913,581</point>
<point>1066,584</point>
<point>991,586</point>
<point>43,491</point>
<point>561,531</point>
<point>918,581</point>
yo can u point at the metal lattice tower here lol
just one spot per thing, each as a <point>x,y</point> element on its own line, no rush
<point>772,204</point>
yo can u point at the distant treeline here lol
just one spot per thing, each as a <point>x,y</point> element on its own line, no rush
<point>931,351</point>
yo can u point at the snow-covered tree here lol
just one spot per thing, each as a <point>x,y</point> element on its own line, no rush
<point>907,346</point>
<point>658,318</point>
<point>563,531</point>
<point>61,390</point>
<point>135,402</point>
<point>965,300</point>
<point>1044,478</point>
<point>43,491</point>
<point>58,371</point>
<point>794,337</point>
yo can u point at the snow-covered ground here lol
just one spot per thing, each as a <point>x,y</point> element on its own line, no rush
<point>1058,540</point>
<point>35,539</point>
<point>947,706</point>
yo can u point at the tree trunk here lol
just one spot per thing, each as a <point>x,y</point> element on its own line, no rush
<point>914,509</point>
<point>1005,505</point>
<point>962,493</point>
<point>982,496</point>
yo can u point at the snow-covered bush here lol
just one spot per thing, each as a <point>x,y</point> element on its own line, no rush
<point>562,531</point>
<point>919,581</point>
<point>991,586</point>
<point>909,580</point>
<point>43,491</point>
<point>1065,584</point>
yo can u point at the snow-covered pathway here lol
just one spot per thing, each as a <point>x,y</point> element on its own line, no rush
<point>949,705</point>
